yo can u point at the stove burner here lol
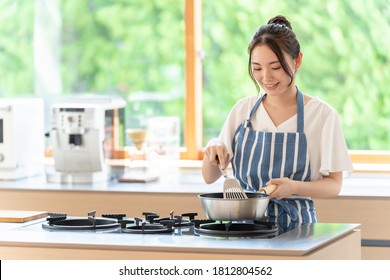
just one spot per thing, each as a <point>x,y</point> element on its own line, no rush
<point>143,227</point>
<point>179,221</point>
<point>121,219</point>
<point>236,229</point>
<point>152,223</point>
<point>82,224</point>
<point>60,222</point>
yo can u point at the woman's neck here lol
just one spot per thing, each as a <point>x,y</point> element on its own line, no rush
<point>285,99</point>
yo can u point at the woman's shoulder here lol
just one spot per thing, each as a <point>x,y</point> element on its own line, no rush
<point>318,105</point>
<point>242,108</point>
<point>246,102</point>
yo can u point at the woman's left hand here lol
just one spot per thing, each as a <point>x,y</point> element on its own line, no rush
<point>285,187</point>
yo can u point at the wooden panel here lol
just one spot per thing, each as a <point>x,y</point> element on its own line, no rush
<point>345,248</point>
<point>17,216</point>
<point>375,253</point>
<point>80,202</point>
<point>371,212</point>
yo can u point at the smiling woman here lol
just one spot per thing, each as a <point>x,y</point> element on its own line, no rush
<point>332,35</point>
<point>130,47</point>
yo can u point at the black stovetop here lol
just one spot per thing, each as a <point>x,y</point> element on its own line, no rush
<point>152,223</point>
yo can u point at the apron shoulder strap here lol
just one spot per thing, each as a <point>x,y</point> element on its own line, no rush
<point>300,113</point>
<point>257,104</point>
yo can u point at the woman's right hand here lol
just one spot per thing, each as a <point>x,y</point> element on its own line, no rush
<point>217,153</point>
<point>216,157</point>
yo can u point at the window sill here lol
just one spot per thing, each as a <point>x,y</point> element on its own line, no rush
<point>197,164</point>
<point>371,168</point>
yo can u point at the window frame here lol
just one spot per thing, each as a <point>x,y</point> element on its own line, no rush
<point>193,81</point>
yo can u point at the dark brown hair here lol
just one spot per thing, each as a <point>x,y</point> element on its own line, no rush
<point>278,35</point>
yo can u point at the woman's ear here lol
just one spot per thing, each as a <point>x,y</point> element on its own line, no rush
<point>298,61</point>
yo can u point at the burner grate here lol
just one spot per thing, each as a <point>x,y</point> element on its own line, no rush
<point>142,227</point>
<point>237,229</point>
<point>59,221</point>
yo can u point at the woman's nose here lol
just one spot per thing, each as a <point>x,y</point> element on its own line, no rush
<point>267,75</point>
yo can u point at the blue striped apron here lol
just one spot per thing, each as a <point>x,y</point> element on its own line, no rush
<point>259,156</point>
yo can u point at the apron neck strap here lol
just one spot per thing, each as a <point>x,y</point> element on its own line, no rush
<point>254,109</point>
<point>300,119</point>
<point>300,113</point>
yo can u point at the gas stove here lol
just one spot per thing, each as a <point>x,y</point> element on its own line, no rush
<point>152,237</point>
<point>152,223</point>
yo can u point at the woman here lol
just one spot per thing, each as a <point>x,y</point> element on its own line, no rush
<point>282,137</point>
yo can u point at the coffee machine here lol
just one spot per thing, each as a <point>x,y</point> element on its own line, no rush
<point>21,138</point>
<point>84,134</point>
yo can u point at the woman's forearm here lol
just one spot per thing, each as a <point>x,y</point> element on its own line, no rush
<point>326,187</point>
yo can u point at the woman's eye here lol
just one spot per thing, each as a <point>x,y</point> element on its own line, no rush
<point>277,68</point>
<point>256,69</point>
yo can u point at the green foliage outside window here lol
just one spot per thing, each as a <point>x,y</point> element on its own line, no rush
<point>346,61</point>
<point>133,48</point>
<point>16,48</point>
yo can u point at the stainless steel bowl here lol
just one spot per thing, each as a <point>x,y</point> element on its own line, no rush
<point>220,209</point>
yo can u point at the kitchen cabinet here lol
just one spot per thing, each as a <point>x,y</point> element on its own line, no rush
<point>364,199</point>
<point>371,212</point>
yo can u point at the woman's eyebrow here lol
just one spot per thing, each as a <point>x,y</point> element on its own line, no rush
<point>272,62</point>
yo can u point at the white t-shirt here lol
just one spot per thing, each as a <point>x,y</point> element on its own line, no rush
<point>325,139</point>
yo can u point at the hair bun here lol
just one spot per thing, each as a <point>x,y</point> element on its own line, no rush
<point>280,20</point>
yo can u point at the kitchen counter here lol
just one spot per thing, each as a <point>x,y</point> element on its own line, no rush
<point>364,198</point>
<point>185,181</point>
<point>313,241</point>
<point>191,181</point>
<point>179,193</point>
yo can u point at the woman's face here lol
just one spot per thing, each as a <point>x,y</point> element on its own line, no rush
<point>268,71</point>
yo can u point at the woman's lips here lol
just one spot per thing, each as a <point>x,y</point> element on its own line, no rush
<point>270,86</point>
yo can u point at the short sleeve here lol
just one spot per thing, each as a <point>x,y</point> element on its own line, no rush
<point>237,115</point>
<point>227,131</point>
<point>334,151</point>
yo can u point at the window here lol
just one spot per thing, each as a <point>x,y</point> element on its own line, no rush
<point>345,63</point>
<point>16,48</point>
<point>128,49</point>
<point>166,55</point>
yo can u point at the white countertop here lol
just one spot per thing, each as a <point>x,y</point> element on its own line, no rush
<point>297,242</point>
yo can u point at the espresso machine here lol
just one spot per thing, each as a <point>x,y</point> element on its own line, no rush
<point>84,135</point>
<point>21,138</point>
